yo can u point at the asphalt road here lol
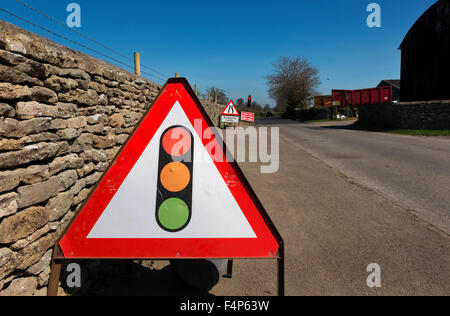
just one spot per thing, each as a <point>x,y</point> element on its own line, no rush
<point>334,226</point>
<point>412,171</point>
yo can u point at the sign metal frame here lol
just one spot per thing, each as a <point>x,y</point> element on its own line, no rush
<point>58,257</point>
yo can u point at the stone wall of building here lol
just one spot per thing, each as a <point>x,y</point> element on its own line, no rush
<point>407,115</point>
<point>63,117</point>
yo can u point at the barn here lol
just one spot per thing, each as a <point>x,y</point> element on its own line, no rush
<point>425,50</point>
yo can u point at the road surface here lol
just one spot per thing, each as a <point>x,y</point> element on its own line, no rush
<point>412,171</point>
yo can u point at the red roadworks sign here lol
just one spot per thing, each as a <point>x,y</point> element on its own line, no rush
<point>248,117</point>
<point>165,195</point>
<point>230,110</point>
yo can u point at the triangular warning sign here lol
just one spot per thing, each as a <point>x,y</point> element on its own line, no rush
<point>166,196</point>
<point>230,110</point>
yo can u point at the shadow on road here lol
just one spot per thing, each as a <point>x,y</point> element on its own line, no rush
<point>128,278</point>
<point>356,126</point>
<point>275,121</point>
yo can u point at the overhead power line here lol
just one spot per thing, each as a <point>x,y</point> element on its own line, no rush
<point>74,42</point>
<point>86,37</point>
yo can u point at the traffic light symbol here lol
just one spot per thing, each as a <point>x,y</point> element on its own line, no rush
<point>174,192</point>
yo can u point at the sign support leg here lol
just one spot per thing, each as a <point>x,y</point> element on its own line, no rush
<point>55,274</point>
<point>280,260</point>
<point>229,274</point>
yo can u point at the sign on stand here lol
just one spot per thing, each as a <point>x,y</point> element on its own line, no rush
<point>166,196</point>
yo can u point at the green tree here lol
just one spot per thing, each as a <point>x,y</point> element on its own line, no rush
<point>293,83</point>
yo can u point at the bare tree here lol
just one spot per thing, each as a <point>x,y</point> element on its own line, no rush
<point>222,98</point>
<point>293,83</point>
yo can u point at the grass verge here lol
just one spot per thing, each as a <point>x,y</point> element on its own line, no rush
<point>411,132</point>
<point>419,132</point>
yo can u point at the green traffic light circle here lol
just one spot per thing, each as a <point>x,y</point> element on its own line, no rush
<point>173,214</point>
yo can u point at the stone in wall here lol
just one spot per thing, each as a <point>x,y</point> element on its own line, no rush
<point>40,192</point>
<point>8,204</point>
<point>6,110</point>
<point>29,110</point>
<point>5,256</point>
<point>22,287</point>
<point>81,97</point>
<point>22,224</point>
<point>42,94</point>
<point>23,64</point>
<point>34,252</point>
<point>30,153</point>
<point>9,92</point>
<point>58,84</point>
<point>20,244</point>
<point>11,179</point>
<point>71,161</point>
<point>15,76</point>
<point>10,127</point>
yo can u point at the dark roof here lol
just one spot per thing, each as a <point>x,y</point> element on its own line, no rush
<point>422,20</point>
<point>393,82</point>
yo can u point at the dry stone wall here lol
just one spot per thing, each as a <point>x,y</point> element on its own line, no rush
<point>63,117</point>
<point>407,115</point>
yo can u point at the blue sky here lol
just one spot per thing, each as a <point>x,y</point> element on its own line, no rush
<point>233,44</point>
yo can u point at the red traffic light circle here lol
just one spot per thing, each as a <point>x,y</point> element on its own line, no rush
<point>177,141</point>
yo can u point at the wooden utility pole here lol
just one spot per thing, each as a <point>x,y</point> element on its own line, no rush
<point>137,64</point>
<point>209,97</point>
<point>215,97</point>
<point>176,75</point>
<point>196,90</point>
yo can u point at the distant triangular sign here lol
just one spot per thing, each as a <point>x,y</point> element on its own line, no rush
<point>230,109</point>
<point>148,206</point>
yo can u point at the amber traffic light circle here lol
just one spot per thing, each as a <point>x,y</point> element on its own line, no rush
<point>175,176</point>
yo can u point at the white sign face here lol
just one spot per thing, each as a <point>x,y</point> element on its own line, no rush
<point>229,119</point>
<point>131,213</point>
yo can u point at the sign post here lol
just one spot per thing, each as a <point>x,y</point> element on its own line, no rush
<point>165,196</point>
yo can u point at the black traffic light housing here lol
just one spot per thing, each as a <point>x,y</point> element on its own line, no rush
<point>169,202</point>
